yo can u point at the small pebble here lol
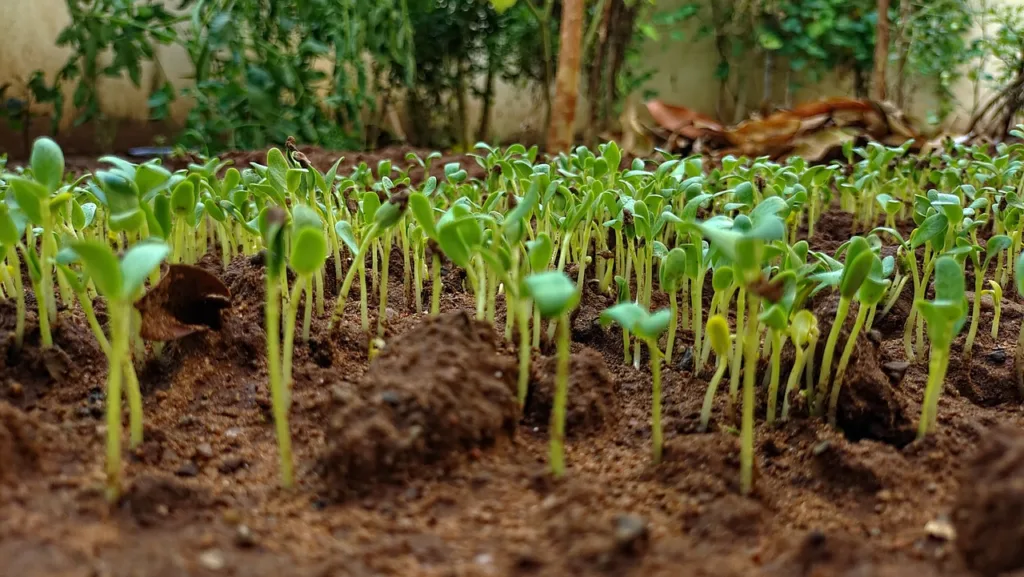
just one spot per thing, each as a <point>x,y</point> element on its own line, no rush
<point>231,516</point>
<point>231,464</point>
<point>686,361</point>
<point>820,448</point>
<point>629,529</point>
<point>187,469</point>
<point>895,370</point>
<point>244,536</point>
<point>391,398</point>
<point>233,433</point>
<point>204,451</point>
<point>15,389</point>
<point>212,560</point>
<point>940,529</point>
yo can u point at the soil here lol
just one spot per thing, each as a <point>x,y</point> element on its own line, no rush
<point>419,462</point>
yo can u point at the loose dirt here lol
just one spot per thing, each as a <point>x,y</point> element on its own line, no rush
<point>420,463</point>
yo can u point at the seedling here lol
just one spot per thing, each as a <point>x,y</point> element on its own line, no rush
<point>995,292</point>
<point>308,254</point>
<point>996,245</point>
<point>859,259</point>
<point>868,295</point>
<point>9,240</point>
<point>556,296</point>
<point>1018,357</point>
<point>945,317</point>
<point>120,283</point>
<point>273,221</point>
<point>648,327</point>
<point>803,331</point>
<point>720,339</point>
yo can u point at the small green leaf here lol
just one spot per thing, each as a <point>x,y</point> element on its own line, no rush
<point>273,219</point>
<point>344,231</point>
<point>423,212</point>
<point>855,273</point>
<point>9,234</point>
<point>28,201</point>
<point>673,269</point>
<point>553,293</point>
<point>718,332</point>
<point>651,326</point>
<point>139,262</point>
<point>626,314</point>
<point>309,251</point>
<point>183,199</point>
<point>47,163</point>
<point>305,217</point>
<point>803,327</point>
<point>101,265</point>
<point>539,251</point>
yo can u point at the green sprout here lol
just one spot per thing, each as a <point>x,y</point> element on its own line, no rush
<point>720,339</point>
<point>273,220</point>
<point>945,316</point>
<point>744,245</point>
<point>121,284</point>
<point>308,255</point>
<point>9,239</point>
<point>870,293</point>
<point>648,327</point>
<point>859,259</point>
<point>37,197</point>
<point>1018,277</point>
<point>556,296</point>
<point>996,293</point>
<point>670,275</point>
<point>803,331</point>
<point>996,245</point>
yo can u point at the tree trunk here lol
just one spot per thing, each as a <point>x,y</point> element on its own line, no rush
<point>878,76</point>
<point>903,54</point>
<point>484,129</point>
<point>567,80</point>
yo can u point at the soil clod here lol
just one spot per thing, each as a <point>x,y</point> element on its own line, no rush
<point>989,513</point>
<point>441,389</point>
<point>592,403</point>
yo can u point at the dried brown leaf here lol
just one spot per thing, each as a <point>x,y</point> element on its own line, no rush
<point>187,300</point>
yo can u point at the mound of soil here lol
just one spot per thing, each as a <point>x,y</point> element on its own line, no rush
<point>592,403</point>
<point>869,407</point>
<point>990,507</point>
<point>437,391</point>
<point>19,443</point>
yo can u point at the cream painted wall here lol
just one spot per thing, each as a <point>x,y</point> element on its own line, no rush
<point>28,29</point>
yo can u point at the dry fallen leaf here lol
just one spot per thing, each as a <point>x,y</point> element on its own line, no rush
<point>187,300</point>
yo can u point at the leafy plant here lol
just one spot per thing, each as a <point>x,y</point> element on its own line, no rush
<point>945,316</point>
<point>121,283</point>
<point>648,327</point>
<point>556,296</point>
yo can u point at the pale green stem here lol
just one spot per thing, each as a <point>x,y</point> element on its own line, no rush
<point>773,385</point>
<point>830,348</point>
<point>709,397</point>
<point>278,393</point>
<point>557,454</point>
<point>844,361</point>
<point>937,366</point>
<point>794,379</point>
<point>750,346</point>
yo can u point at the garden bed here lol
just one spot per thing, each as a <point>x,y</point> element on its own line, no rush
<point>420,463</point>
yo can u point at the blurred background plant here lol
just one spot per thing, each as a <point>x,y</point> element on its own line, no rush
<point>358,75</point>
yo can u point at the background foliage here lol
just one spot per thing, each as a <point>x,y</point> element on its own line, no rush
<point>328,71</point>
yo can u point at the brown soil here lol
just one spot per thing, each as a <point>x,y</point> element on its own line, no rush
<point>418,463</point>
